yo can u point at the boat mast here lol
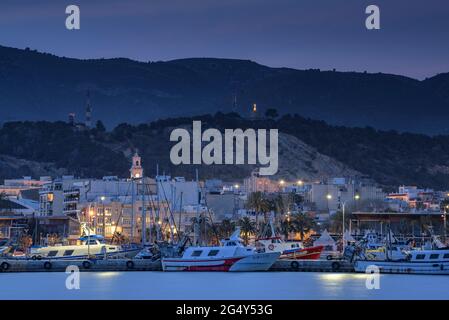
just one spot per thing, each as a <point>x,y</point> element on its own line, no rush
<point>144,216</point>
<point>158,222</point>
<point>196,227</point>
<point>132,209</point>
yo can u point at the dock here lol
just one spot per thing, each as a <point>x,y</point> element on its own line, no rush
<point>45,265</point>
<point>312,265</point>
<point>23,265</point>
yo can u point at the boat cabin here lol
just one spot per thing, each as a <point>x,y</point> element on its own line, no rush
<point>429,255</point>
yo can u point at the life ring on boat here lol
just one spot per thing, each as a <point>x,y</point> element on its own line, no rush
<point>47,265</point>
<point>335,266</point>
<point>5,266</point>
<point>86,264</point>
<point>271,246</point>
<point>130,264</point>
<point>329,257</point>
<point>34,257</point>
<point>294,265</point>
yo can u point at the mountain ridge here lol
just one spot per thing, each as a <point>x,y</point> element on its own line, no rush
<point>43,86</point>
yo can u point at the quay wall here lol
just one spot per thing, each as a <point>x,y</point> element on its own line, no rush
<point>45,265</point>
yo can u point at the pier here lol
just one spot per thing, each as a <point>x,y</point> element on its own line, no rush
<point>16,265</point>
<point>45,265</point>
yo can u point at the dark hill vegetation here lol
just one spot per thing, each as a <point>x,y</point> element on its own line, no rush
<point>388,157</point>
<point>38,86</point>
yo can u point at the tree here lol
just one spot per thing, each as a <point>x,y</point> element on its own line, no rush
<point>302,223</point>
<point>247,227</point>
<point>225,228</point>
<point>25,242</point>
<point>255,202</point>
<point>286,228</point>
<point>271,113</point>
<point>118,238</point>
<point>100,126</point>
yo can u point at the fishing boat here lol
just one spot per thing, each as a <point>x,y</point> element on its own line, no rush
<point>91,246</point>
<point>416,262</point>
<point>288,250</point>
<point>232,256</point>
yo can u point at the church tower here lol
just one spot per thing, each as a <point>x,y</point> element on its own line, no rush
<point>136,168</point>
<point>88,122</point>
<point>254,113</point>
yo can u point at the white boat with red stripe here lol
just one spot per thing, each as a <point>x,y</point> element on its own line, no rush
<point>232,255</point>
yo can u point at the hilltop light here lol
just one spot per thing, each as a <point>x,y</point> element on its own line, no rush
<point>329,197</point>
<point>357,197</point>
<point>236,186</point>
<point>102,198</point>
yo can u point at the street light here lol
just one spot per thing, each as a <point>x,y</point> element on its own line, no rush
<point>300,183</point>
<point>343,205</point>
<point>444,221</point>
<point>328,196</point>
<point>102,198</point>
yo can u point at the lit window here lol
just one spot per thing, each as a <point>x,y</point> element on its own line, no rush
<point>68,252</point>
<point>213,253</point>
<point>197,253</point>
<point>52,253</point>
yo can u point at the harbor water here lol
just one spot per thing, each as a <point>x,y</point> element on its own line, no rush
<point>205,286</point>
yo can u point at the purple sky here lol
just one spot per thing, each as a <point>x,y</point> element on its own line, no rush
<point>325,34</point>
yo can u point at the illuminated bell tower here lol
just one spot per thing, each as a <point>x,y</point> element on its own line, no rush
<point>136,168</point>
<point>253,114</point>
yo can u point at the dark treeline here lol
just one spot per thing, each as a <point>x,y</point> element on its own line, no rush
<point>389,157</point>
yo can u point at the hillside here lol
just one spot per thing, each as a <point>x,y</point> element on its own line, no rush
<point>308,149</point>
<point>38,86</point>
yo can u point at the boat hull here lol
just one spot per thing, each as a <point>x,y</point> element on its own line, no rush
<point>123,254</point>
<point>311,253</point>
<point>255,262</point>
<point>404,267</point>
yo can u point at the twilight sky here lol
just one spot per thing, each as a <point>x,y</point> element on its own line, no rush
<point>325,34</point>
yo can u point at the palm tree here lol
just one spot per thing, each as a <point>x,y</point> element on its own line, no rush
<point>268,205</point>
<point>302,223</point>
<point>225,228</point>
<point>247,227</point>
<point>118,238</point>
<point>286,228</point>
<point>280,207</point>
<point>256,202</point>
<point>335,223</point>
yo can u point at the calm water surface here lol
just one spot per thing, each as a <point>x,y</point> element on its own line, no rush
<point>260,286</point>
